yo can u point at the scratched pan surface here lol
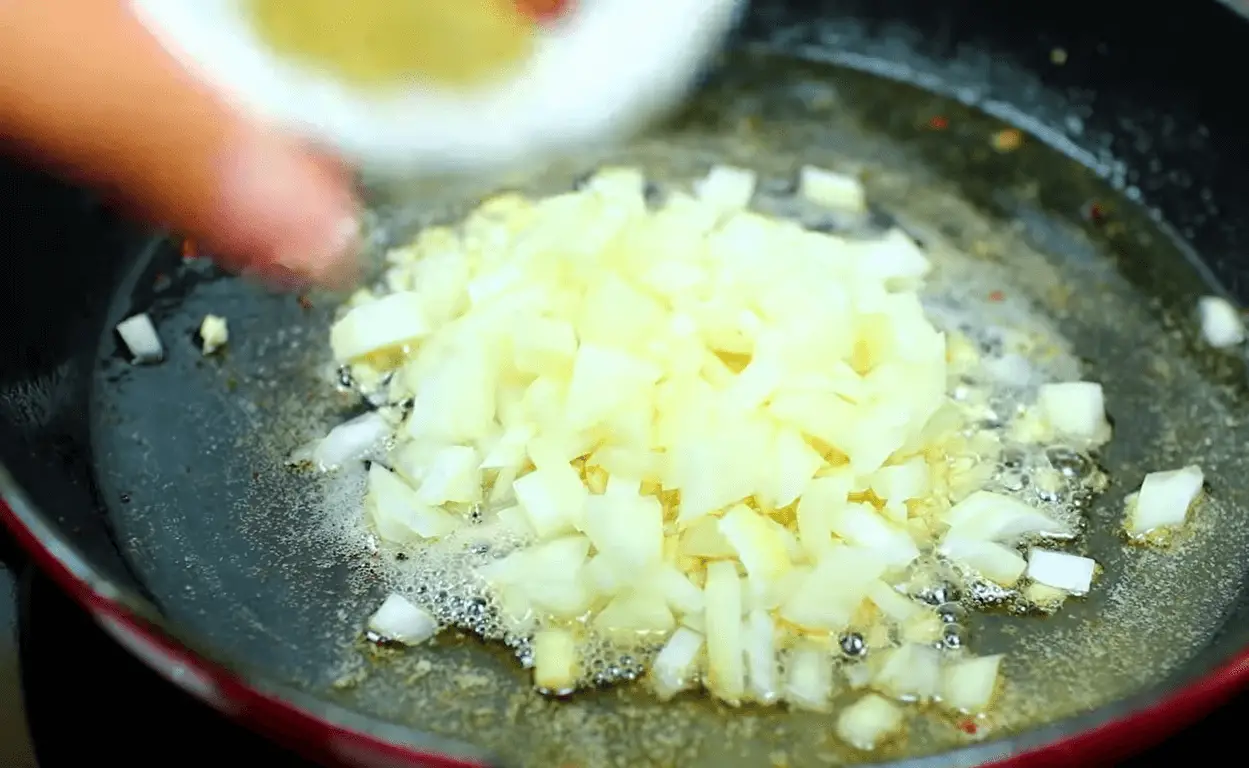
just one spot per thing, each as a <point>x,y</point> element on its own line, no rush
<point>171,478</point>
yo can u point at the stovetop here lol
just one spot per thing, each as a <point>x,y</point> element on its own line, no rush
<point>82,689</point>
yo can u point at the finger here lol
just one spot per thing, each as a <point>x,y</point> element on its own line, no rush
<point>87,90</point>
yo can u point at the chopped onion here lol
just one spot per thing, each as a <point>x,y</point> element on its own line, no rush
<point>1075,409</point>
<point>1221,324</point>
<point>703,539</point>
<point>892,603</point>
<point>556,665</point>
<point>996,562</point>
<point>763,669</point>
<point>553,498</point>
<point>826,599</point>
<point>993,517</point>
<point>835,190</point>
<point>636,612</point>
<point>676,665</point>
<point>213,334</point>
<point>452,475</point>
<point>699,426</point>
<point>968,685</point>
<point>139,335</point>
<point>1070,573</point>
<point>727,188</point>
<point>398,513</point>
<point>402,622</point>
<point>351,440</point>
<point>1164,500</point>
<point>910,673</point>
<point>809,682</point>
<point>759,546</point>
<point>379,325</point>
<point>627,529</point>
<point>868,722</point>
<point>859,524</point>
<point>726,671</point>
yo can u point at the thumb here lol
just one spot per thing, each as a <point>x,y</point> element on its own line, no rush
<point>85,89</point>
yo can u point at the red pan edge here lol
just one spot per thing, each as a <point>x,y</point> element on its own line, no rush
<point>330,744</point>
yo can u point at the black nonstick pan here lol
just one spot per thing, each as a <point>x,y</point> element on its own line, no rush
<point>1094,155</point>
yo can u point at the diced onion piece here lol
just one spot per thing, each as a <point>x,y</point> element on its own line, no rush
<point>995,517</point>
<point>968,685</point>
<point>553,498</point>
<point>139,335</point>
<point>910,673</point>
<point>213,333</point>
<point>834,190</point>
<point>452,475</point>
<point>826,598</point>
<point>402,622</point>
<point>556,666</point>
<point>763,670</point>
<point>1070,573</point>
<point>683,595</point>
<point>868,722</point>
<point>860,525</point>
<point>726,671</point>
<point>1221,324</point>
<point>727,188</point>
<point>704,539</point>
<point>902,482</point>
<point>516,522</point>
<point>758,545</point>
<point>351,440</point>
<point>895,259</point>
<point>627,530</point>
<point>892,603</point>
<point>603,577</point>
<point>996,562</point>
<point>676,665</point>
<point>796,465</point>
<point>509,451</point>
<point>398,513</point>
<point>379,325</point>
<point>824,496</point>
<point>1164,500</point>
<point>1074,409</point>
<point>809,682</point>
<point>603,379</point>
<point>858,676</point>
<point>638,612</point>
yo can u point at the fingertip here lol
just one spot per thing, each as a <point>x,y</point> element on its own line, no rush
<point>288,216</point>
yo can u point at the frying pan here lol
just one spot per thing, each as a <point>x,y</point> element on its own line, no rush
<point>158,496</point>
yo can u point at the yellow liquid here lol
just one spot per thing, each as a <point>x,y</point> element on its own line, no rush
<point>380,43</point>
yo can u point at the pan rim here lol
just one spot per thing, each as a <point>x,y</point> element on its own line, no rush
<point>305,721</point>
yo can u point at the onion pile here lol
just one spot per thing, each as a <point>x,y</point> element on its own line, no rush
<point>722,440</point>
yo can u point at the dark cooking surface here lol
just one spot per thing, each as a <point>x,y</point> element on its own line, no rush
<point>61,644</point>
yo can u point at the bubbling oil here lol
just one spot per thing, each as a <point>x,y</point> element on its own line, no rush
<point>1014,349</point>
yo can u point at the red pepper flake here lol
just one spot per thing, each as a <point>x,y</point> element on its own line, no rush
<point>969,727</point>
<point>189,249</point>
<point>304,301</point>
<point>997,296</point>
<point>938,123</point>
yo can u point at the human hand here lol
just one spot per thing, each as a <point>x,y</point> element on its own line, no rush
<point>86,92</point>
